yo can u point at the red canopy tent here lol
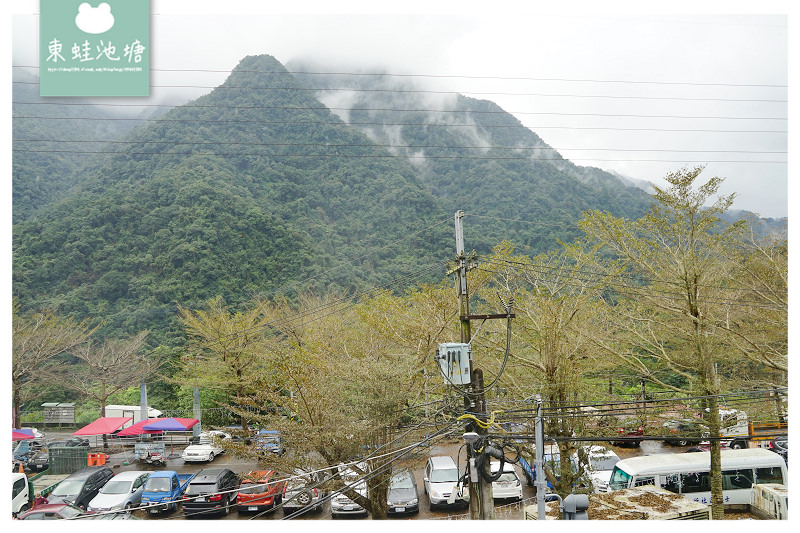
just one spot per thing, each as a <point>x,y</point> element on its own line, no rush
<point>138,429</point>
<point>21,434</point>
<point>104,425</point>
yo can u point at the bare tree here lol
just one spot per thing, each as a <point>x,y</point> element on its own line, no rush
<point>36,340</point>
<point>109,367</point>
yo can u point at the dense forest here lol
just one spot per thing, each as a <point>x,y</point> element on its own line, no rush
<point>268,187</point>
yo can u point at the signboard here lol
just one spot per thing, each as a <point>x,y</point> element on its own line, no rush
<point>99,48</point>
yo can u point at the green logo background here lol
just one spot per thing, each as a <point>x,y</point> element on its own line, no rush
<point>115,62</point>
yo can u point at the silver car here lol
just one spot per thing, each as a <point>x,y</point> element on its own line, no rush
<point>441,483</point>
<point>123,491</point>
<point>304,490</point>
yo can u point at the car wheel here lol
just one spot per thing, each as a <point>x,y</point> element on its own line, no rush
<point>683,442</point>
<point>128,505</point>
<point>737,445</point>
<point>227,508</point>
<point>22,510</point>
<point>210,457</point>
<point>304,498</point>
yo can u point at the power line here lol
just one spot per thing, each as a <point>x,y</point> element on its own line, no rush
<point>404,146</point>
<point>452,76</point>
<point>476,93</point>
<point>392,110</point>
<point>421,124</point>
<point>384,156</point>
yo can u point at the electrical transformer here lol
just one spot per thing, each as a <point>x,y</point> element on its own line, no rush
<point>454,360</point>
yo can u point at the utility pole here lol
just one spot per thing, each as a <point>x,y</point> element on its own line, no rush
<point>481,503</point>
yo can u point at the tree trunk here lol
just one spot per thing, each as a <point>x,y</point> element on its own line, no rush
<point>17,409</point>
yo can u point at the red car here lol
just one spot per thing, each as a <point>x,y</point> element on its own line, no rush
<point>261,490</point>
<point>52,511</point>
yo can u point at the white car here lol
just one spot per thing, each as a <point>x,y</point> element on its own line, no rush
<point>341,504</point>
<point>600,463</point>
<point>207,448</point>
<point>508,485</point>
<point>122,491</point>
<point>441,483</point>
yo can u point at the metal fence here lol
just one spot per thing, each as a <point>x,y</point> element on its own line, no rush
<point>68,459</point>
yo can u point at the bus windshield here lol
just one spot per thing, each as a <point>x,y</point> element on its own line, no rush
<point>619,479</point>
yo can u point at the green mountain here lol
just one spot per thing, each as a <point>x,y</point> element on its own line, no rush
<point>276,182</point>
<point>474,156</point>
<point>51,140</point>
<point>243,192</point>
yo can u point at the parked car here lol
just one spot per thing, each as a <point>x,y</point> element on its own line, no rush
<point>269,441</point>
<point>38,435</point>
<point>39,462</point>
<point>122,492</point>
<point>207,448</point>
<point>79,488</point>
<point>780,445</point>
<point>629,429</point>
<point>599,462</point>
<point>341,504</point>
<point>403,496</point>
<point>74,441</point>
<point>212,434</point>
<point>441,483</point>
<point>685,432</point>
<point>304,489</point>
<point>163,490</point>
<point>261,490</point>
<point>508,485</point>
<point>52,511</point>
<point>212,490</point>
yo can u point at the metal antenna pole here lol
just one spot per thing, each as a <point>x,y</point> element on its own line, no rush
<point>538,463</point>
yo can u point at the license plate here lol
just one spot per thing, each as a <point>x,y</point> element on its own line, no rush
<point>200,499</point>
<point>252,508</point>
<point>153,511</point>
<point>400,509</point>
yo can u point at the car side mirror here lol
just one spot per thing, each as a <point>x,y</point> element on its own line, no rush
<point>425,479</point>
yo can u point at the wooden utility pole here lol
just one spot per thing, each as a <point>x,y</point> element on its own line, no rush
<point>481,503</point>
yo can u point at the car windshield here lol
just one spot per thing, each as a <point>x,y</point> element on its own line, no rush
<point>256,488</point>
<point>116,487</point>
<point>605,462</point>
<point>68,487</point>
<point>619,479</point>
<point>70,512</point>
<point>444,475</point>
<point>507,476</point>
<point>401,482</point>
<point>201,488</point>
<point>158,484</point>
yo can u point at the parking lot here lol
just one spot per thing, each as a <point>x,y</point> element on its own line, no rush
<point>503,509</point>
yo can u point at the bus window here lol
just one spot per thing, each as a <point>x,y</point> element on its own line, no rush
<point>671,483</point>
<point>737,479</point>
<point>641,481</point>
<point>619,479</point>
<point>695,482</point>
<point>769,475</point>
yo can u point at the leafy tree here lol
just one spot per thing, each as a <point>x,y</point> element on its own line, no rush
<point>677,254</point>
<point>36,340</point>
<point>556,299</point>
<point>224,347</point>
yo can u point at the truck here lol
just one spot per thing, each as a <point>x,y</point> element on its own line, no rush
<point>134,411</point>
<point>21,493</point>
<point>738,431</point>
<point>163,490</point>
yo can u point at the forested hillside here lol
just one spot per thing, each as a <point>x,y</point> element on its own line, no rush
<point>229,195</point>
<point>51,139</point>
<point>475,156</point>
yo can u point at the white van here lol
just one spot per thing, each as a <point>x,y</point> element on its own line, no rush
<point>688,473</point>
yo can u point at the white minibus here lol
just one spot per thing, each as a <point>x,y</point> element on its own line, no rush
<point>688,473</point>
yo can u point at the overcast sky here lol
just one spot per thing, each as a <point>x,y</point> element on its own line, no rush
<point>640,93</point>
